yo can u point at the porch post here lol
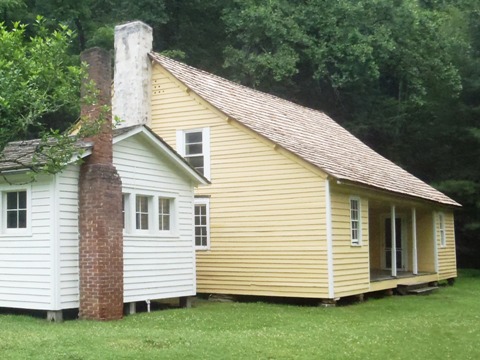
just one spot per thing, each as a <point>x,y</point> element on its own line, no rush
<point>414,242</point>
<point>394,242</point>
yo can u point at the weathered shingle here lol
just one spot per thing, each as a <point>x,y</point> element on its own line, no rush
<point>308,133</point>
<point>20,155</point>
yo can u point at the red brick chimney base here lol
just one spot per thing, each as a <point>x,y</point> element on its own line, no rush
<point>101,242</point>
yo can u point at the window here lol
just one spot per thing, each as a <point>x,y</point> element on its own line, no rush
<point>141,212</point>
<point>194,150</point>
<point>355,223</point>
<point>441,224</point>
<point>202,223</point>
<point>16,210</point>
<point>164,214</point>
<point>149,213</point>
<point>194,146</point>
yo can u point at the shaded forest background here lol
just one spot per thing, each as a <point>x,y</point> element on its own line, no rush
<point>402,75</point>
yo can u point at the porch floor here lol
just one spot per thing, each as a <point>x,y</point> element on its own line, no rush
<point>381,275</point>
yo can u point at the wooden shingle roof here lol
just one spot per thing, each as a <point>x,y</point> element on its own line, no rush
<point>20,155</point>
<point>307,133</point>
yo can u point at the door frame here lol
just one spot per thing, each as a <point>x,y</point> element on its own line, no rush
<point>404,241</point>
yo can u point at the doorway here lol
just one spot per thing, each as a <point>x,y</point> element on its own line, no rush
<point>400,248</point>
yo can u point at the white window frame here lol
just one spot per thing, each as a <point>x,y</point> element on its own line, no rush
<point>441,228</point>
<point>355,241</point>
<point>130,228</point>
<point>202,201</point>
<point>149,213</point>
<point>3,205</point>
<point>171,207</point>
<point>205,146</point>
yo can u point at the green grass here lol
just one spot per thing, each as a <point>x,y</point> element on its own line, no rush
<point>444,325</point>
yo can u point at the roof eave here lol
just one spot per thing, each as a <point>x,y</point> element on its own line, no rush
<point>452,203</point>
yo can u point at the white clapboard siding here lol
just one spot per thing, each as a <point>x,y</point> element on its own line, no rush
<point>26,272</point>
<point>67,237</point>
<point>156,267</point>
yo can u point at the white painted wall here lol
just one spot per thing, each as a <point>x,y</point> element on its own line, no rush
<point>156,266</point>
<point>26,265</point>
<point>39,266</point>
<point>67,271</point>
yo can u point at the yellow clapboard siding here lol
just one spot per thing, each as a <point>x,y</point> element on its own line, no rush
<point>447,266</point>
<point>268,211</point>
<point>255,263</point>
<point>262,290</point>
<point>266,222</point>
<point>350,263</point>
<point>246,274</point>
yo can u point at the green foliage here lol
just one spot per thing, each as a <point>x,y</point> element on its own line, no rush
<point>102,37</point>
<point>403,75</point>
<point>263,40</point>
<point>37,78</point>
<point>443,325</point>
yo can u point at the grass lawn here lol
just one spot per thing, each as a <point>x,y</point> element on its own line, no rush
<point>443,325</point>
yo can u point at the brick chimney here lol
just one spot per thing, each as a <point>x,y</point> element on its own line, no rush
<point>133,73</point>
<point>100,207</point>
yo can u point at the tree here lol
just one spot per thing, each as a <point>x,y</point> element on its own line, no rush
<point>38,79</point>
<point>402,75</point>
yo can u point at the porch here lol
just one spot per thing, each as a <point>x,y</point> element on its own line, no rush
<point>383,275</point>
<point>402,246</point>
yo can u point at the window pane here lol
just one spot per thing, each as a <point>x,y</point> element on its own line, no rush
<point>195,161</point>
<point>22,219</point>
<point>164,206</point>
<point>166,222</point>
<point>193,149</point>
<point>354,235</point>
<point>354,204</point>
<point>141,217</point>
<point>137,221</point>
<point>12,219</point>
<point>144,221</point>
<point>193,137</point>
<point>22,199</point>
<point>12,200</point>
<point>142,204</point>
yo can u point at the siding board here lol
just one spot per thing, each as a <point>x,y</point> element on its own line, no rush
<point>156,267</point>
<point>25,258</point>
<point>267,214</point>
